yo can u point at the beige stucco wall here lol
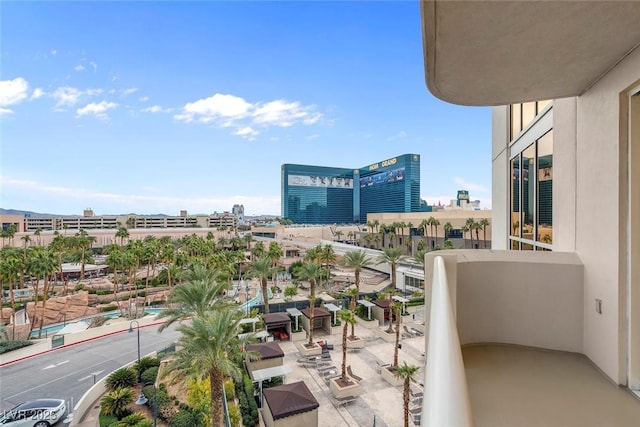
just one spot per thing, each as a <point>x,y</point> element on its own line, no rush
<point>599,220</point>
<point>306,419</point>
<point>264,363</point>
<point>524,298</point>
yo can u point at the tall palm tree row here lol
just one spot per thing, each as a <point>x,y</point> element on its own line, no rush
<point>357,260</point>
<point>406,372</point>
<point>262,269</point>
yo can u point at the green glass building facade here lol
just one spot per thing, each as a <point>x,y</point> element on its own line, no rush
<point>328,195</point>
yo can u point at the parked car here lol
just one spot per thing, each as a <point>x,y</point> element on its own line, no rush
<point>35,413</point>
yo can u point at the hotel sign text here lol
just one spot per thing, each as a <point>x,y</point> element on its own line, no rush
<point>384,163</point>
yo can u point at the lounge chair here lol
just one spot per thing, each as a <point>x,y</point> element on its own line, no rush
<point>352,375</point>
<point>341,401</point>
<point>408,332</point>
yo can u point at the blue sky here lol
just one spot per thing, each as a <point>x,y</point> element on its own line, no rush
<point>154,107</point>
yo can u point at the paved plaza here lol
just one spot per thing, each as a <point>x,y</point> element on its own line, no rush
<point>378,398</point>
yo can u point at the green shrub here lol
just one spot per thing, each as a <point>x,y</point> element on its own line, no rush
<point>183,418</point>
<point>234,416</point>
<point>229,390</point>
<point>117,402</point>
<point>122,378</point>
<point>161,398</point>
<point>107,420</point>
<point>149,375</point>
<point>7,346</point>
<point>146,363</point>
<point>108,308</point>
<point>137,419</point>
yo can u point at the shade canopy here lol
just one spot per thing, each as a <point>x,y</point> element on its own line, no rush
<point>289,399</point>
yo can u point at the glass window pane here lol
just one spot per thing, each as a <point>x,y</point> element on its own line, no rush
<point>545,188</point>
<point>528,191</point>
<point>528,113</point>
<point>542,105</point>
<point>527,246</point>
<point>515,196</point>
<point>515,245</point>
<point>516,121</point>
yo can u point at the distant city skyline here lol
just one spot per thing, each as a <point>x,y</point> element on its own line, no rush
<point>157,107</point>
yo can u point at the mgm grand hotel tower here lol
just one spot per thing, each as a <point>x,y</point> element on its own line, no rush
<point>327,195</point>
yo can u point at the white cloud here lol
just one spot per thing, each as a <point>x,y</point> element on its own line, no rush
<point>5,112</point>
<point>69,96</point>
<point>66,96</point>
<point>156,109</point>
<point>12,92</point>
<point>218,106</point>
<point>401,134</point>
<point>470,185</point>
<point>98,109</point>
<point>226,111</point>
<point>154,203</point>
<point>79,67</point>
<point>312,137</point>
<point>246,132</point>
<point>129,91</point>
<point>143,99</point>
<point>94,65</point>
<point>280,113</point>
<point>37,93</point>
<point>53,52</point>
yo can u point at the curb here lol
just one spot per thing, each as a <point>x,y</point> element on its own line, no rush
<point>20,359</point>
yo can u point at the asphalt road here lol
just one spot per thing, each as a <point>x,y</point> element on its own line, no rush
<point>68,373</point>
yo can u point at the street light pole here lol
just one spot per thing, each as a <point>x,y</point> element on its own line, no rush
<point>138,330</point>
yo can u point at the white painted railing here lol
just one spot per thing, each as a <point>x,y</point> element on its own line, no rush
<point>446,397</point>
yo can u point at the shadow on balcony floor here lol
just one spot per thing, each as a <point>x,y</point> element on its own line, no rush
<point>525,387</point>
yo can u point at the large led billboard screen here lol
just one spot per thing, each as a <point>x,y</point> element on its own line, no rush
<point>320,181</point>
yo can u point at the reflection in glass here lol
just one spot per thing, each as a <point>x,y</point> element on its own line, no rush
<point>528,191</point>
<point>542,105</point>
<point>528,113</point>
<point>516,121</point>
<point>515,196</point>
<point>545,188</point>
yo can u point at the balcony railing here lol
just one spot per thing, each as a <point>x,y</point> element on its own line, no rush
<point>446,397</point>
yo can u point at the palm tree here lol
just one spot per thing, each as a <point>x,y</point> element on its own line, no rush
<point>484,223</point>
<point>210,346</point>
<point>83,242</point>
<point>447,230</point>
<point>347,318</point>
<point>406,372</point>
<point>392,256</point>
<point>192,298</point>
<point>42,263</point>
<point>258,250</point>
<point>328,256</point>
<point>464,230</point>
<point>357,260</point>
<point>275,252</point>
<point>262,269</point>
<point>470,224</point>
<point>12,267</point>
<point>423,226</point>
<point>37,235</point>
<point>436,224</point>
<point>397,309</point>
<point>312,309</point>
<point>312,272</point>
<point>476,228</point>
<point>122,234</point>
<point>59,246</point>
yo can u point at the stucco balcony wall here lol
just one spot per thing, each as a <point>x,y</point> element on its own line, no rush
<point>515,297</point>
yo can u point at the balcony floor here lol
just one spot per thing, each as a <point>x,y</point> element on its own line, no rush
<point>519,386</point>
